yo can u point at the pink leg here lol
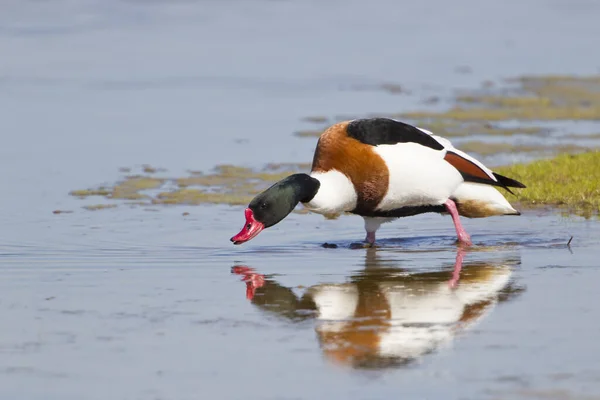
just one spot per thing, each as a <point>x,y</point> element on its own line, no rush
<point>370,237</point>
<point>463,236</point>
<point>460,255</point>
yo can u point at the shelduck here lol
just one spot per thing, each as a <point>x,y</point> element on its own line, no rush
<point>383,169</point>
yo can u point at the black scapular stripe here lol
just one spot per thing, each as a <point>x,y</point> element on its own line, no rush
<point>377,131</point>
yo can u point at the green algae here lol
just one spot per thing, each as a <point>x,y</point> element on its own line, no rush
<point>392,88</point>
<point>592,136</point>
<point>149,169</point>
<point>96,207</point>
<point>101,191</point>
<point>127,189</point>
<point>487,148</point>
<point>197,196</point>
<point>278,167</point>
<point>543,98</point>
<point>316,119</point>
<point>530,98</point>
<point>449,128</point>
<point>502,101</point>
<point>130,188</point>
<point>571,181</point>
<point>550,113</point>
<point>225,184</point>
<point>309,133</point>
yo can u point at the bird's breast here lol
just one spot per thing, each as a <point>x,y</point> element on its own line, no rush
<point>336,193</point>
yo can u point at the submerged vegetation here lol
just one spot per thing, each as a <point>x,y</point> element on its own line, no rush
<point>226,184</point>
<point>571,181</point>
<point>482,112</point>
<point>483,148</point>
<point>514,119</point>
<point>546,98</point>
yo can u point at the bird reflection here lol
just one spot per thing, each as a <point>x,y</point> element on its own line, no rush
<point>387,316</point>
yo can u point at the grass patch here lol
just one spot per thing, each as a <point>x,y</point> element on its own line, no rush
<point>570,181</point>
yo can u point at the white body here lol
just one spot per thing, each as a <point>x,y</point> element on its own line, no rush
<point>418,175</point>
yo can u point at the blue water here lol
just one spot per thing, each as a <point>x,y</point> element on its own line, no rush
<point>131,303</point>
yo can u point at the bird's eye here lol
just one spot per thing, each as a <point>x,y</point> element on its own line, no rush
<point>263,206</point>
<point>248,227</point>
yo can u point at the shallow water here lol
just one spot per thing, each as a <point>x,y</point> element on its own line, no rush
<point>138,303</point>
<point>146,306</point>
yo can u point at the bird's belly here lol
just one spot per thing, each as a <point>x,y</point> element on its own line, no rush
<point>417,176</point>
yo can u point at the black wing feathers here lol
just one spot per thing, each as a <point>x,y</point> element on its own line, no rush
<point>508,182</point>
<point>377,131</point>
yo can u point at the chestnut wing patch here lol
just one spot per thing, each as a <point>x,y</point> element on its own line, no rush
<point>378,131</point>
<point>466,167</point>
<point>472,172</point>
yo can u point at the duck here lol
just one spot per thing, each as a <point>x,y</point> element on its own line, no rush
<point>383,169</point>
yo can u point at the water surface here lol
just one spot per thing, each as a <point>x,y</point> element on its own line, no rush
<point>139,303</point>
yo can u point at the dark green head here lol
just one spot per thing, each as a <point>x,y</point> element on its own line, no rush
<point>274,204</point>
